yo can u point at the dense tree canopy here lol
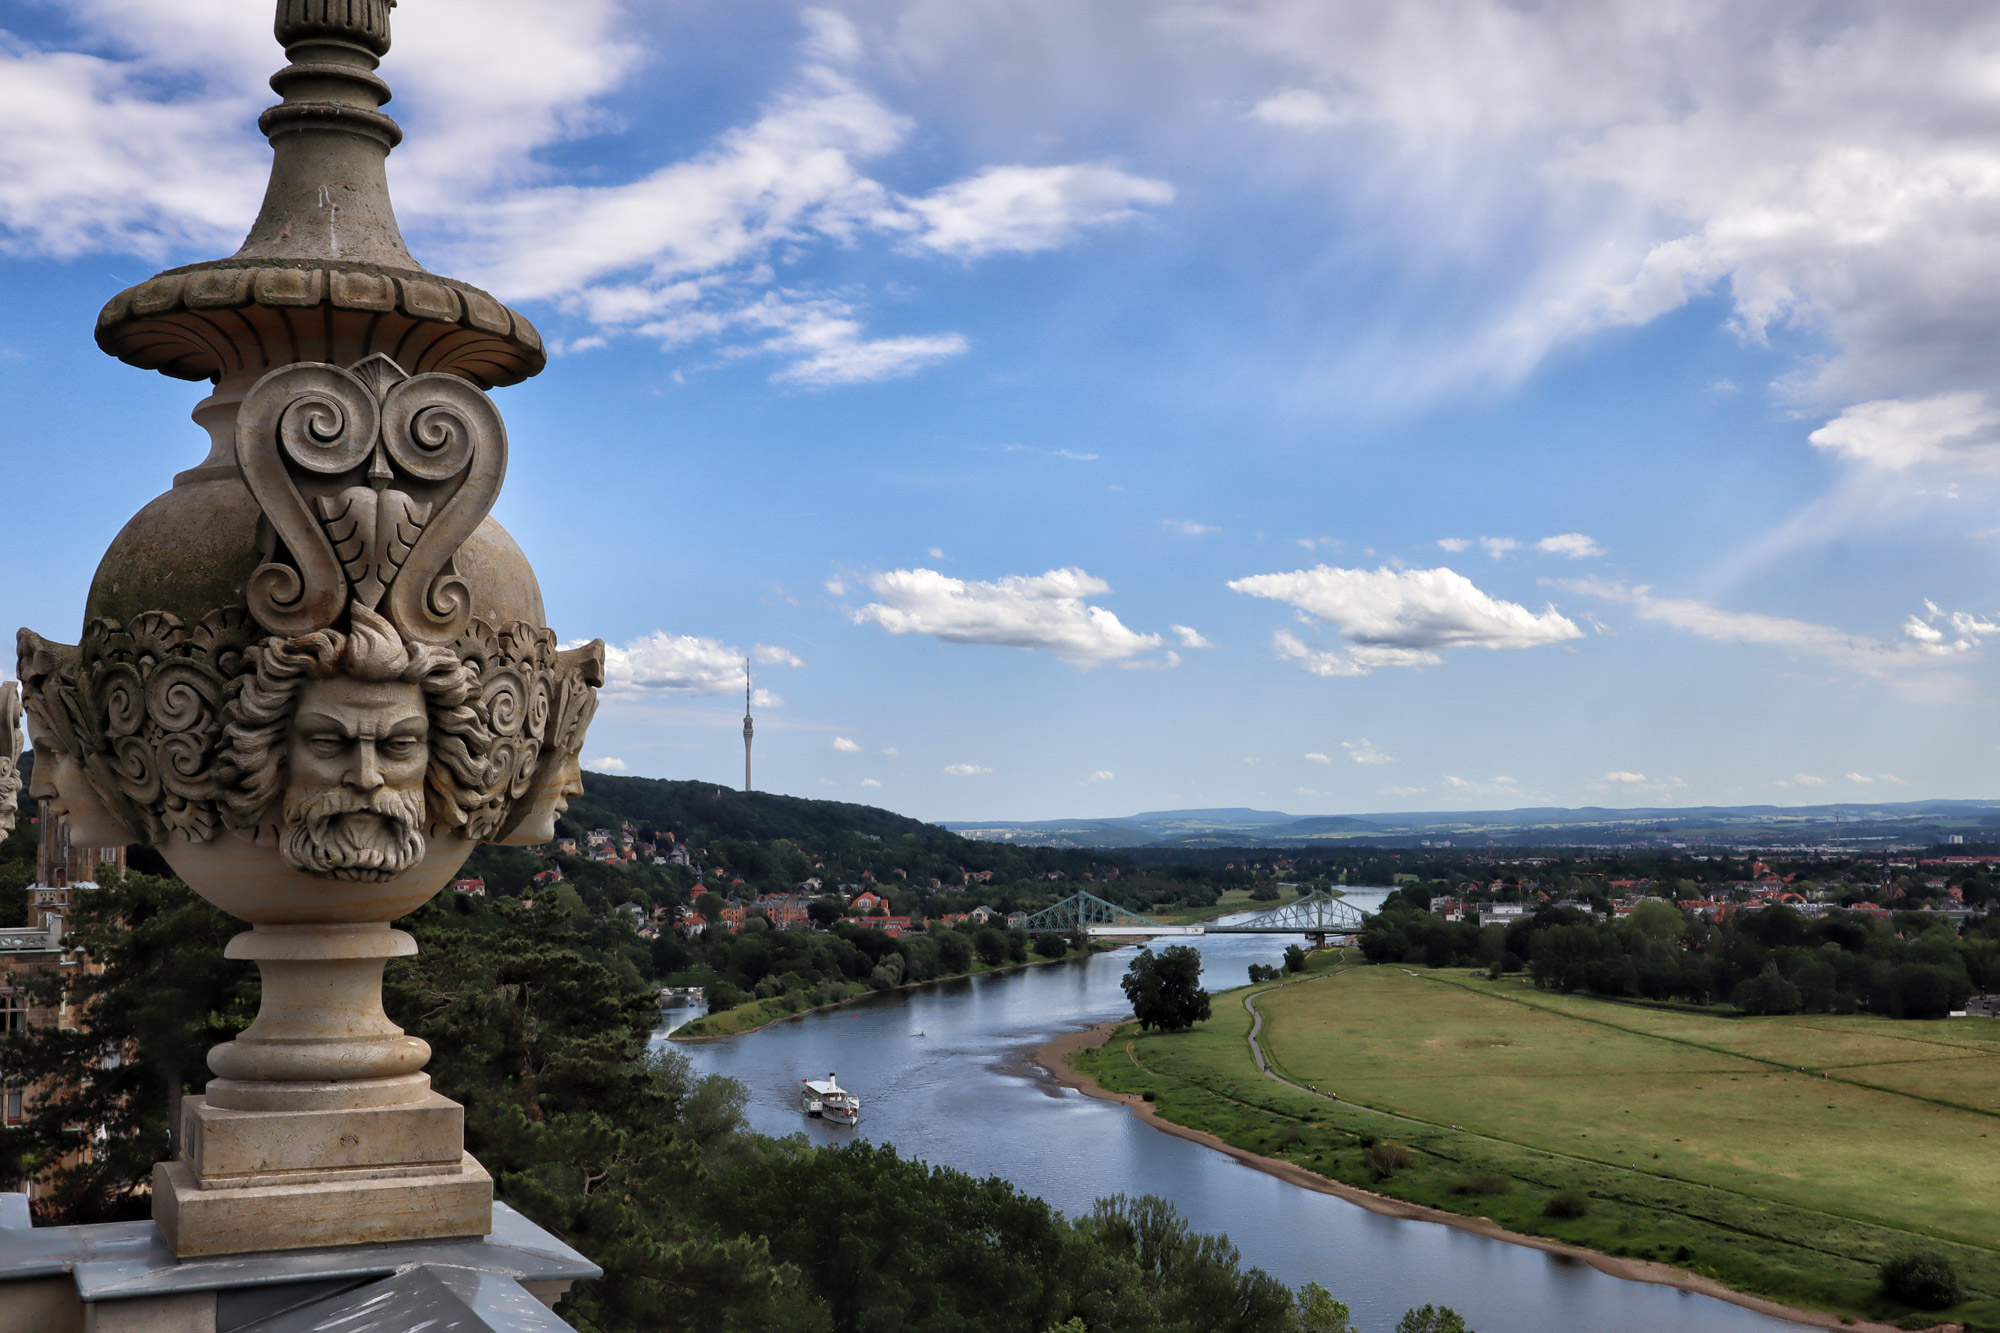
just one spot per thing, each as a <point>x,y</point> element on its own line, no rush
<point>1165,988</point>
<point>1769,961</point>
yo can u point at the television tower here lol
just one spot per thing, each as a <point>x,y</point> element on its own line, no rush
<point>749,728</point>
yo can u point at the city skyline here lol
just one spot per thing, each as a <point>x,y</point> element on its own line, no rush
<point>1067,414</point>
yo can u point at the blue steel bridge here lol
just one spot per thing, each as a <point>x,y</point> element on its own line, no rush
<point>1319,916</point>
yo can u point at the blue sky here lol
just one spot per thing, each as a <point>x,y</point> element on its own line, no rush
<point>1088,408</point>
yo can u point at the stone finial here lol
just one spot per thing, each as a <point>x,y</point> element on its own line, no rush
<point>324,274</point>
<point>363,22</point>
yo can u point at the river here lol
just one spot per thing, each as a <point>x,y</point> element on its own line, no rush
<point>944,1074</point>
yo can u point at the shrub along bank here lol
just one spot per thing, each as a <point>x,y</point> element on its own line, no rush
<point>1770,961</point>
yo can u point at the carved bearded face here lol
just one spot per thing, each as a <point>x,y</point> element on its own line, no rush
<point>357,745</point>
<point>356,755</point>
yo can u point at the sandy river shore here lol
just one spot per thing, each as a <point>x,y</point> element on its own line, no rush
<point>1054,1057</point>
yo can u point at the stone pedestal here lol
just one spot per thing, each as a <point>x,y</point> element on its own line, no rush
<point>122,1277</point>
<point>320,1130</point>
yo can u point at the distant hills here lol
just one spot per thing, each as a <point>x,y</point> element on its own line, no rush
<point>1854,826</point>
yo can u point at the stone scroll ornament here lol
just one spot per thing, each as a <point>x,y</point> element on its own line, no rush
<point>370,480</point>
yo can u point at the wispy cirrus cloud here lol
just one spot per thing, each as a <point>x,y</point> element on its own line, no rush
<point>1020,210</point>
<point>1809,165</point>
<point>135,140</point>
<point>1924,647</point>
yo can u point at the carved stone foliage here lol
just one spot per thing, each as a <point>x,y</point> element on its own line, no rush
<point>139,708</point>
<point>519,688</point>
<point>144,708</point>
<point>152,694</point>
<point>370,480</point>
<point>10,754</point>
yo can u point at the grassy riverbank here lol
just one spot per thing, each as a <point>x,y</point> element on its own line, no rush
<point>754,1014</point>
<point>1689,1139</point>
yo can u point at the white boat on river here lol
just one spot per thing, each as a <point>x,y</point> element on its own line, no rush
<point>829,1101</point>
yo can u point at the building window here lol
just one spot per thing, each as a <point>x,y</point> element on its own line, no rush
<point>13,1108</point>
<point>13,1012</point>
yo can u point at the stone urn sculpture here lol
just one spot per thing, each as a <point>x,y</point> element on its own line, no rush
<point>314,673</point>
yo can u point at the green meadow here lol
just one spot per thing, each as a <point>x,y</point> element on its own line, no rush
<point>1786,1157</point>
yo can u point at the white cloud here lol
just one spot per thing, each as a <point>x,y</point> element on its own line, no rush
<point>141,144</point>
<point>1296,109</point>
<point>1190,637</point>
<point>870,782</point>
<point>1290,648</point>
<point>1854,652</point>
<point>1045,611</point>
<point>1963,635</point>
<point>965,770</point>
<point>1861,778</point>
<point>608,764</point>
<point>846,746</point>
<point>828,782</point>
<point>1803,780</point>
<point>1187,527</point>
<point>937,553</point>
<point>1629,784</point>
<point>828,346</point>
<point>1504,788</point>
<point>1499,546</point>
<point>1318,758</point>
<point>1455,545</point>
<point>1101,775</point>
<point>1067,455</point>
<point>1898,433</point>
<point>1572,544</point>
<point>685,662</point>
<point>1364,751</point>
<point>1020,210</point>
<point>766,654</point>
<point>1399,617</point>
<point>892,752</point>
<point>1819,168</point>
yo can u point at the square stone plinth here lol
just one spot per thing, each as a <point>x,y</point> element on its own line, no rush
<point>355,1207</point>
<point>225,1148</point>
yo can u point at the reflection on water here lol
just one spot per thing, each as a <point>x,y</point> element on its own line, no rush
<point>944,1073</point>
